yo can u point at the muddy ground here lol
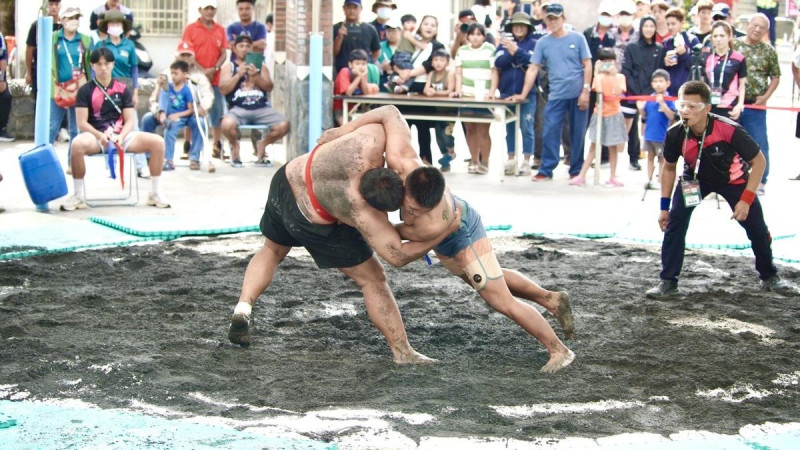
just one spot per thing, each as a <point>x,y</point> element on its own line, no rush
<point>148,324</point>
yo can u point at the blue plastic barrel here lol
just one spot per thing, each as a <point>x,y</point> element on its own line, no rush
<point>43,175</point>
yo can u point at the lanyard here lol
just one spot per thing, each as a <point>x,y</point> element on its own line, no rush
<point>699,148</point>
<point>722,71</point>
<point>69,57</point>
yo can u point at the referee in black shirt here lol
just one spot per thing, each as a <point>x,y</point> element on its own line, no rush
<point>719,156</point>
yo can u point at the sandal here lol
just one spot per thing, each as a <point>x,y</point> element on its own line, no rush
<point>482,169</point>
<point>472,168</point>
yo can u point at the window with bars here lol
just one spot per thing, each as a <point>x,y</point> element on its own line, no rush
<point>159,17</point>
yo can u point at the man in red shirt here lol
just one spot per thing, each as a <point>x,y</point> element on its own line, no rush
<point>209,41</point>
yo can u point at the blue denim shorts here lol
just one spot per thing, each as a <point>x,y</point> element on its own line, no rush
<point>470,231</point>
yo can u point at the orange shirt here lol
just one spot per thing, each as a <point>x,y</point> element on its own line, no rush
<point>208,44</point>
<point>612,87</point>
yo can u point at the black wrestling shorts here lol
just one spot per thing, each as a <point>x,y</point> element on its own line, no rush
<point>331,246</point>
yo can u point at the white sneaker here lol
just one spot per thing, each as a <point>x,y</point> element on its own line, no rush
<point>74,203</point>
<point>525,169</point>
<point>510,168</point>
<point>157,200</point>
<point>63,135</point>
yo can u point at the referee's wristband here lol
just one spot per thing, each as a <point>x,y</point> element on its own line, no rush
<point>665,203</point>
<point>748,197</point>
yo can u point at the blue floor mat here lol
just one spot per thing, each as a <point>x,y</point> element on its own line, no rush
<point>28,234</point>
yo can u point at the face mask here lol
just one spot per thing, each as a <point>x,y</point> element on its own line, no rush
<point>384,13</point>
<point>625,21</point>
<point>604,21</point>
<point>115,31</point>
<point>71,25</point>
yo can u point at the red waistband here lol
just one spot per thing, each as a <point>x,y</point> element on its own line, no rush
<point>314,202</point>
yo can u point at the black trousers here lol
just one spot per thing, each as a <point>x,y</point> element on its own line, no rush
<point>672,248</point>
<point>5,108</point>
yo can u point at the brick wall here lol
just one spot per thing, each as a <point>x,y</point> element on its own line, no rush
<point>293,25</point>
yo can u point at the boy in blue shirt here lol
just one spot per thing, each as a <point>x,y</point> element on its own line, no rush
<point>180,114</point>
<point>657,115</point>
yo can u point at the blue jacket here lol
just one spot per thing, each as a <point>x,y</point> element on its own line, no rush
<point>512,68</point>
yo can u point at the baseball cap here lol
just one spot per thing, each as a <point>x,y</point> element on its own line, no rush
<point>352,2</point>
<point>242,37</point>
<point>606,7</point>
<point>68,11</point>
<point>394,22</point>
<point>207,3</point>
<point>185,47</point>
<point>627,7</point>
<point>554,9</point>
<point>721,10</point>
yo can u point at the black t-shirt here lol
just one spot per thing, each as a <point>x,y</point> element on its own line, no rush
<point>726,150</point>
<point>363,36</point>
<point>102,113</point>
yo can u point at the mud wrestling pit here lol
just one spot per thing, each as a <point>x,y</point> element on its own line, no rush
<point>144,329</point>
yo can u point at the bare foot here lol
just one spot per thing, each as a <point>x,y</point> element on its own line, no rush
<point>564,315</point>
<point>558,361</point>
<point>413,357</point>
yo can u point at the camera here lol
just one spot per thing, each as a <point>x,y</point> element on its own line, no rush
<point>464,27</point>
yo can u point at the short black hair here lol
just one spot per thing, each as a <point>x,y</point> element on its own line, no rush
<point>660,73</point>
<point>440,53</point>
<point>476,26</point>
<point>101,52</point>
<point>358,55</point>
<point>252,2</point>
<point>606,54</point>
<point>183,66</point>
<point>407,18</point>
<point>696,88</point>
<point>382,188</point>
<point>426,186</point>
<point>270,19</point>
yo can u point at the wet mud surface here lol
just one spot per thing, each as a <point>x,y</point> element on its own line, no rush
<point>147,325</point>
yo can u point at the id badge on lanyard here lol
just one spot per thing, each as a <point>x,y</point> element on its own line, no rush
<point>716,90</point>
<point>690,188</point>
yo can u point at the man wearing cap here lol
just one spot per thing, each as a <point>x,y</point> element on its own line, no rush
<point>763,76</point>
<point>569,69</point>
<point>512,58</point>
<point>97,15</point>
<point>210,42</point>
<point>722,11</point>
<point>352,34</point>
<point>202,94</point>
<point>642,9</point>
<point>394,31</point>
<point>5,95</point>
<point>246,87</point>
<point>383,12</point>
<point>53,7</point>
<point>704,20</point>
<point>247,25</point>
<point>70,70</point>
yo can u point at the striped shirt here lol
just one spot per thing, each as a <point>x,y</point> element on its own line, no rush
<point>476,68</point>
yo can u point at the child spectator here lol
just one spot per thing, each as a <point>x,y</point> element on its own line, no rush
<point>614,132</point>
<point>409,22</point>
<point>441,83</point>
<point>180,114</point>
<point>352,80</point>
<point>474,63</point>
<point>656,117</point>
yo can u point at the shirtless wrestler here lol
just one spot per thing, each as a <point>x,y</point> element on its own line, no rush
<point>466,252</point>
<point>315,201</point>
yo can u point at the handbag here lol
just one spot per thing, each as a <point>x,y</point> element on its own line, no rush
<point>67,92</point>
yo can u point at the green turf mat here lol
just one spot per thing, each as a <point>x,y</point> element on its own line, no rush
<point>28,234</point>
<point>171,227</point>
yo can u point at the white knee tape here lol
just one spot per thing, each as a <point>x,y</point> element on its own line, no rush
<point>483,269</point>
